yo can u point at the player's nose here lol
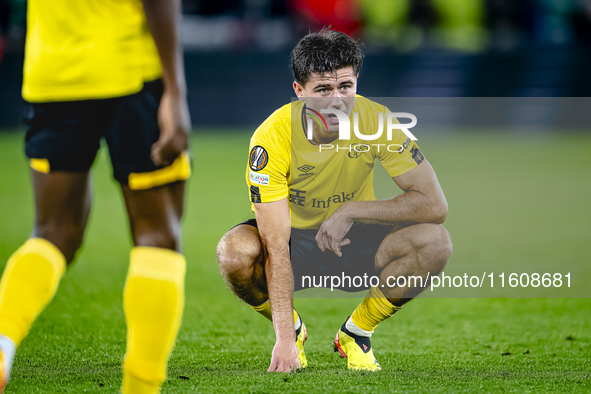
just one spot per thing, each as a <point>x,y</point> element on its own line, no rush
<point>337,101</point>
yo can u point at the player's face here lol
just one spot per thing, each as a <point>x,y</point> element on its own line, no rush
<point>329,91</point>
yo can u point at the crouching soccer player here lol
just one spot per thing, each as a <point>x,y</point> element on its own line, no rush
<point>92,71</point>
<point>332,208</point>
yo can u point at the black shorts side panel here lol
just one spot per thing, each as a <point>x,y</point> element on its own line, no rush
<point>248,222</point>
<point>133,132</point>
<point>358,257</point>
<point>67,134</point>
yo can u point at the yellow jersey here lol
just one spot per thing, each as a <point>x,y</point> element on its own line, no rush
<point>79,50</point>
<point>284,163</point>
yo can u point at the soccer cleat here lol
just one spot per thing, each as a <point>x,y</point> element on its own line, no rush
<point>3,372</point>
<point>301,336</point>
<point>356,349</point>
<point>7,349</point>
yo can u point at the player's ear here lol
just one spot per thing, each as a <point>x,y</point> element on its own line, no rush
<point>299,90</point>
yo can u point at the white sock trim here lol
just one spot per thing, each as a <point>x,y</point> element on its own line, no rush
<point>356,330</point>
<point>8,348</point>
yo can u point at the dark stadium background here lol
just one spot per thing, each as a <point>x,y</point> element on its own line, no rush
<point>514,162</point>
<point>236,51</point>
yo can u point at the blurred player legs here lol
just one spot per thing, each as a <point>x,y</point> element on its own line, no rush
<point>126,86</point>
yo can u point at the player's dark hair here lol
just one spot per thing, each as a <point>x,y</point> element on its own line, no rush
<point>324,52</point>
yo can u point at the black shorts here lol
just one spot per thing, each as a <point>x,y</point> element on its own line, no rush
<point>314,268</point>
<point>65,136</point>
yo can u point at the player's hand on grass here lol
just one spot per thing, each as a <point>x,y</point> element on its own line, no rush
<point>331,234</point>
<point>285,357</point>
<point>174,138</point>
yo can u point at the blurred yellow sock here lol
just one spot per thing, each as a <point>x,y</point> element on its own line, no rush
<point>153,302</point>
<point>29,282</point>
<point>374,309</point>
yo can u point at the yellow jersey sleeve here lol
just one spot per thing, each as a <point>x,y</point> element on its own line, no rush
<point>399,155</point>
<point>267,172</point>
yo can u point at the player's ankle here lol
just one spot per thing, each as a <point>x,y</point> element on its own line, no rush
<point>132,385</point>
<point>353,329</point>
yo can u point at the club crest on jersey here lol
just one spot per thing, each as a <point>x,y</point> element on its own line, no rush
<point>258,158</point>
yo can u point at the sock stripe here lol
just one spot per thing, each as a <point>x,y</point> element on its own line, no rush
<point>350,325</point>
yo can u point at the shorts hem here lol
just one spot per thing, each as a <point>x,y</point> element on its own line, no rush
<point>179,170</point>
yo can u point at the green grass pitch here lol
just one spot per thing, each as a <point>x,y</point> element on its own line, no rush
<point>514,199</point>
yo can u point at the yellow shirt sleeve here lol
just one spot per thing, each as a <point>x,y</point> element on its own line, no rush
<point>400,155</point>
<point>267,171</point>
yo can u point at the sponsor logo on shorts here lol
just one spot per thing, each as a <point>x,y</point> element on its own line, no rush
<point>258,158</point>
<point>260,179</point>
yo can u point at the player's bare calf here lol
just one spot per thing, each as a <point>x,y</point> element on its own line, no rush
<point>418,250</point>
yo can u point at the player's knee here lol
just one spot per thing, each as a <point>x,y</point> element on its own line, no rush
<point>236,254</point>
<point>437,246</point>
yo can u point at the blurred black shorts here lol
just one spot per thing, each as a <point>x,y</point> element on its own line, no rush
<point>311,266</point>
<point>65,136</point>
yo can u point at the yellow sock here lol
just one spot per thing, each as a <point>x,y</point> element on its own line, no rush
<point>265,310</point>
<point>153,301</point>
<point>374,309</point>
<point>29,282</point>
